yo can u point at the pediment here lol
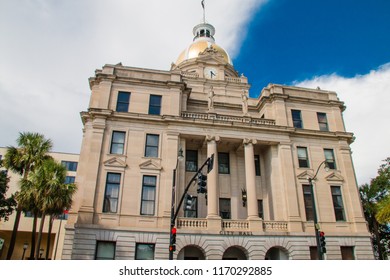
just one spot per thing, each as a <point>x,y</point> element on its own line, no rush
<point>335,177</point>
<point>150,165</point>
<point>305,175</point>
<point>115,162</point>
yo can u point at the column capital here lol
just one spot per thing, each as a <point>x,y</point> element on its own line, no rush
<point>247,141</point>
<point>210,138</point>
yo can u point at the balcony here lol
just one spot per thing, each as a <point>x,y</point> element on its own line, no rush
<point>242,227</point>
<point>227,118</point>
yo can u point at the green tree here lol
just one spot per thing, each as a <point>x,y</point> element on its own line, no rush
<point>374,197</point>
<point>31,151</point>
<point>50,194</point>
<point>7,204</point>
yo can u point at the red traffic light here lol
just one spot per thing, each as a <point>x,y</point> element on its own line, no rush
<point>174,230</point>
<point>322,233</point>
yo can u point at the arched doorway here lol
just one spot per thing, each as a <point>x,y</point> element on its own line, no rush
<point>277,253</point>
<point>234,253</point>
<point>191,253</point>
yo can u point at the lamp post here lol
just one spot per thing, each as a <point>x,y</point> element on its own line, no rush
<point>316,226</point>
<point>40,253</point>
<point>25,246</point>
<point>180,157</point>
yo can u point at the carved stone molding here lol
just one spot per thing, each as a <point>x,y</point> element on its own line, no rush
<point>248,141</point>
<point>115,162</point>
<point>212,138</point>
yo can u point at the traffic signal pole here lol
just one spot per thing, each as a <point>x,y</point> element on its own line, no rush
<point>209,162</point>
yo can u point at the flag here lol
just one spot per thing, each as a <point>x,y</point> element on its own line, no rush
<point>203,4</point>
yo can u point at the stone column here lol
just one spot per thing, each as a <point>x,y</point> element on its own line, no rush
<point>250,178</point>
<point>214,224</point>
<point>212,179</point>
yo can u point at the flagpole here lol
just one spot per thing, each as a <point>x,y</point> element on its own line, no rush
<point>204,12</point>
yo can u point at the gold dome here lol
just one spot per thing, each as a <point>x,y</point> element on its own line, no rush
<point>204,39</point>
<point>200,46</point>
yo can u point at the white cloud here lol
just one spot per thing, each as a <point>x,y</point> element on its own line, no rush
<point>49,49</point>
<point>367,98</point>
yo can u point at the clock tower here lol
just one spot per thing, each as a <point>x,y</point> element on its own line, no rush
<point>204,57</point>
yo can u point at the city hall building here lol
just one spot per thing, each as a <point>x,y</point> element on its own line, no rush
<point>258,203</point>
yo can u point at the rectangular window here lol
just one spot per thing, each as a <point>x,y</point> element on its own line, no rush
<point>155,105</point>
<point>338,205</point>
<point>308,201</point>
<point>118,142</point>
<point>70,179</point>
<point>148,195</point>
<point>70,165</point>
<point>303,158</point>
<point>347,252</point>
<point>144,251</point>
<point>191,160</point>
<point>105,250</point>
<point>192,210</point>
<point>151,147</point>
<point>330,159</point>
<point>260,208</point>
<point>322,121</point>
<point>111,195</point>
<point>122,103</point>
<point>223,163</point>
<point>224,208</point>
<point>313,253</point>
<point>297,118</point>
<point>257,165</point>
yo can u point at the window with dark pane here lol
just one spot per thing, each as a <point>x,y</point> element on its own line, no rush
<point>144,251</point>
<point>148,195</point>
<point>308,201</point>
<point>105,250</point>
<point>225,208</point>
<point>155,104</point>
<point>303,158</point>
<point>70,165</point>
<point>192,160</point>
<point>338,205</point>
<point>111,194</point>
<point>297,118</point>
<point>322,121</point>
<point>118,142</point>
<point>330,159</point>
<point>122,104</point>
<point>257,165</point>
<point>151,147</point>
<point>223,163</point>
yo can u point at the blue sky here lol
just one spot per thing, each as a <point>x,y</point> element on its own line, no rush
<point>49,49</point>
<point>296,40</point>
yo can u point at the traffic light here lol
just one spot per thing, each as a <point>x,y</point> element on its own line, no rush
<point>202,183</point>
<point>172,245</point>
<point>210,164</point>
<point>189,201</point>
<point>322,242</point>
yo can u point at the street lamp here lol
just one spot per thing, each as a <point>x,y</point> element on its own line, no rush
<point>25,246</point>
<point>316,226</point>
<point>180,157</point>
<point>40,253</point>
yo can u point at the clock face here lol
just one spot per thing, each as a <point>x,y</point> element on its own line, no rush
<point>210,73</point>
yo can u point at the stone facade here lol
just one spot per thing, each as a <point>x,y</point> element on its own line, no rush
<point>265,149</point>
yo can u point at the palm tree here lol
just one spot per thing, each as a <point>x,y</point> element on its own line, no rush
<point>383,215</point>
<point>31,152</point>
<point>48,190</point>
